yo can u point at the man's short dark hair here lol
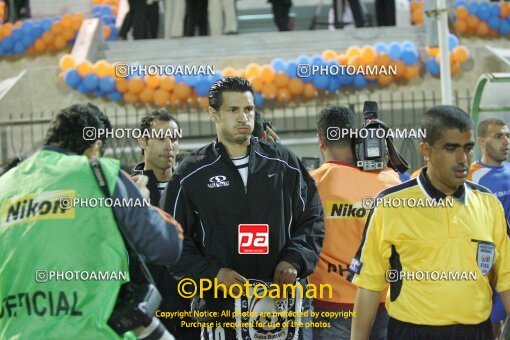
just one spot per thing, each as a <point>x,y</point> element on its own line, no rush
<point>335,116</point>
<point>160,114</point>
<point>444,117</point>
<point>483,126</point>
<point>258,125</point>
<point>66,129</point>
<point>227,84</point>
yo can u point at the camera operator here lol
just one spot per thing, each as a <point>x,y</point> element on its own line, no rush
<point>342,186</point>
<point>41,236</point>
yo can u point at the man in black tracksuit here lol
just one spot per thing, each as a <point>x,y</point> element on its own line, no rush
<point>239,179</point>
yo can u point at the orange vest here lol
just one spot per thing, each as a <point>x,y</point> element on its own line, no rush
<point>341,188</point>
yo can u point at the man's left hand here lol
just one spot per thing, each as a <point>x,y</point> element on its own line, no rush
<point>285,273</point>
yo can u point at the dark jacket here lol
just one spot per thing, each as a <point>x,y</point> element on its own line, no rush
<point>152,184</point>
<point>206,195</point>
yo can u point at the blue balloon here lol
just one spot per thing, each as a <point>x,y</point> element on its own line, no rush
<point>27,27</point>
<point>395,51</point>
<point>317,60</point>
<point>453,41</point>
<point>473,8</point>
<point>303,59</point>
<point>27,40</point>
<point>190,80</point>
<point>494,23</point>
<point>37,32</point>
<point>346,79</point>
<point>320,81</point>
<point>115,96</point>
<point>91,81</point>
<point>432,66</point>
<point>202,87</point>
<point>334,84</point>
<point>460,3</point>
<point>259,99</point>
<point>82,88</point>
<point>381,48</point>
<point>214,77</point>
<point>46,24</point>
<point>409,57</point>
<point>2,52</point>
<point>504,28</point>
<point>98,93</point>
<point>360,81</point>
<point>495,10</point>
<point>17,34</point>
<point>7,43</point>
<point>107,84</point>
<point>19,48</point>
<point>72,78</point>
<point>483,11</point>
<point>408,45</point>
<point>292,69</point>
<point>278,65</point>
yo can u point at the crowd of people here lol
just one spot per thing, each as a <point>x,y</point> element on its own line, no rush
<point>313,226</point>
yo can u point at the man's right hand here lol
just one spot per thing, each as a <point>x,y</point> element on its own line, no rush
<point>141,184</point>
<point>228,277</point>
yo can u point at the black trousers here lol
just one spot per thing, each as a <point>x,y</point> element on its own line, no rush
<point>143,18</point>
<point>196,16</point>
<point>398,330</point>
<point>281,10</point>
<point>385,12</point>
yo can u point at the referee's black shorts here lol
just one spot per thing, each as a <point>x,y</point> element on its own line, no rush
<point>398,330</point>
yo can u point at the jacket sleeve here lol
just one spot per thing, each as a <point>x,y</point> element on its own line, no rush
<point>154,234</point>
<point>193,263</point>
<point>307,229</point>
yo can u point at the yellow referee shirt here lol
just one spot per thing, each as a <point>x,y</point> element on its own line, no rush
<point>436,259</point>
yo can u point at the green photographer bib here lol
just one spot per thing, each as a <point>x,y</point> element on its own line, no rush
<point>61,266</point>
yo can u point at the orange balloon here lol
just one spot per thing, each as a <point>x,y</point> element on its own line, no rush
<point>161,97</point>
<point>355,61</point>
<point>383,59</point>
<point>329,54</point>
<point>267,73</point>
<point>504,10</point>
<point>493,33</point>
<point>39,45</point>
<point>136,85</point>
<point>472,21</point>
<point>66,62</point>
<point>252,70</point>
<point>460,26</point>
<point>309,91</point>
<point>342,59</point>
<point>167,83</point>
<point>269,91</point>
<point>152,81</point>
<point>67,21</point>
<point>455,68</point>
<point>401,69</point>
<point>103,68</point>
<point>182,91</point>
<point>482,29</point>
<point>203,102</point>
<point>84,68</point>
<point>296,86</point>
<point>432,51</point>
<point>48,37</point>
<point>256,83</point>
<point>460,54</point>
<point>121,85</point>
<point>384,80</point>
<point>227,72</point>
<point>412,72</point>
<point>416,5</point>
<point>369,74</point>
<point>368,54</point>
<point>281,80</point>
<point>68,34</point>
<point>6,29</point>
<point>106,31</point>
<point>241,73</point>
<point>417,17</point>
<point>56,28</point>
<point>283,95</point>
<point>18,24</point>
<point>147,95</point>
<point>461,13</point>
<point>59,42</point>
<point>76,24</point>
<point>130,98</point>
<point>353,51</point>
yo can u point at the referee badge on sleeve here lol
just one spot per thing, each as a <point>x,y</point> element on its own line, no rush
<point>355,266</point>
<point>485,256</point>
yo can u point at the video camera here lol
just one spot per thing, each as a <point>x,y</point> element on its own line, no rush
<point>373,147</point>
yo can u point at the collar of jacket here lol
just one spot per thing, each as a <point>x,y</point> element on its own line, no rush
<point>220,148</point>
<point>152,184</point>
